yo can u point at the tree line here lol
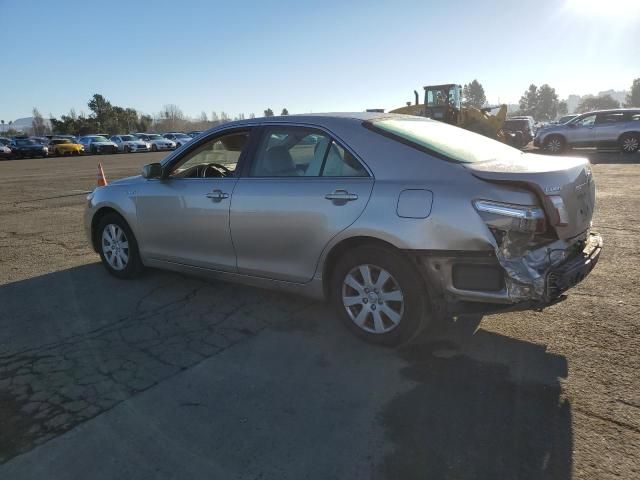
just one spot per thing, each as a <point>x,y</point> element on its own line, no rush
<point>543,104</point>
<point>105,117</point>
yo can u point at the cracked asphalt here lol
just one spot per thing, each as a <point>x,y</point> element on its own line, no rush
<point>168,376</point>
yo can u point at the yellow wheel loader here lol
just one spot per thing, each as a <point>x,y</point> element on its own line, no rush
<point>443,103</point>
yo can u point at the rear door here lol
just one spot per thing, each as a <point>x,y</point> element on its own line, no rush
<point>300,190</point>
<point>607,127</point>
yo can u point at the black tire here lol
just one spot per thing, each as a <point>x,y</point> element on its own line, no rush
<point>629,142</point>
<point>555,144</point>
<point>127,149</point>
<point>414,308</point>
<point>93,150</point>
<point>154,148</point>
<point>133,266</point>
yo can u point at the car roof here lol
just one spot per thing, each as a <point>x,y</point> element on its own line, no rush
<point>611,110</point>
<point>322,119</point>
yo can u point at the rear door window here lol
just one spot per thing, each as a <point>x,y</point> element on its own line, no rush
<point>291,151</point>
<point>609,118</point>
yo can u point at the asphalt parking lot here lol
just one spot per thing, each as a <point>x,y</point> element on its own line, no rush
<point>168,376</point>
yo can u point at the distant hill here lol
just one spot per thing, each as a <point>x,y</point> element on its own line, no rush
<point>22,124</point>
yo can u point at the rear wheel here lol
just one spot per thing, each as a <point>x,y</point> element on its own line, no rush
<point>118,247</point>
<point>630,142</point>
<point>379,295</point>
<point>555,144</point>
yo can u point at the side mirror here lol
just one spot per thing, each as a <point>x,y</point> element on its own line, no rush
<point>152,170</point>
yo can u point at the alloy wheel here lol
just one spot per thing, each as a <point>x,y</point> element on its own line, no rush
<point>554,145</point>
<point>115,246</point>
<point>630,144</point>
<point>373,299</point>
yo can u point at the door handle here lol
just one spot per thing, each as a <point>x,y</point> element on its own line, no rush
<point>341,195</point>
<point>217,195</point>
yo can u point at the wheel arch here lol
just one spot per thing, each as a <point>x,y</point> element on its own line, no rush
<point>555,134</point>
<point>632,132</point>
<point>95,220</point>
<point>341,248</point>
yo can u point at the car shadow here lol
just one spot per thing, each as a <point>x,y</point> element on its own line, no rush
<point>75,343</point>
<point>484,406</point>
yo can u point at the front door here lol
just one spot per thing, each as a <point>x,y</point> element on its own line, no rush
<point>580,132</point>
<point>184,217</point>
<point>301,190</point>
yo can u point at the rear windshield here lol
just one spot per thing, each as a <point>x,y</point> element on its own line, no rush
<point>456,144</point>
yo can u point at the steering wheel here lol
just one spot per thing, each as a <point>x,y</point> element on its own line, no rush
<point>220,170</point>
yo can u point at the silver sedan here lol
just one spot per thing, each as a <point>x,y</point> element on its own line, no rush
<point>401,222</point>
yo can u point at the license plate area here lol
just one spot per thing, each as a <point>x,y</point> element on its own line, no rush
<point>572,272</point>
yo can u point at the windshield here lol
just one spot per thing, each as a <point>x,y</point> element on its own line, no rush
<point>23,142</point>
<point>60,141</point>
<point>182,135</point>
<point>98,139</point>
<point>454,143</point>
<point>154,137</point>
<point>566,118</point>
<point>128,138</point>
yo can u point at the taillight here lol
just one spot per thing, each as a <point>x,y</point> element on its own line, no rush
<point>561,213</point>
<point>510,217</point>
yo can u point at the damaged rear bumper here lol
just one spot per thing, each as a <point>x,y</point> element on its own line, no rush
<point>487,281</point>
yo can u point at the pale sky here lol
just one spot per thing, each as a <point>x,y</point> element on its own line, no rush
<point>242,57</point>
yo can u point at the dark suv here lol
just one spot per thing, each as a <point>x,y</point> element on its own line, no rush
<point>606,128</point>
<point>521,127</point>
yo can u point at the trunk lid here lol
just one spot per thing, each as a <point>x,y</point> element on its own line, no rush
<point>567,177</point>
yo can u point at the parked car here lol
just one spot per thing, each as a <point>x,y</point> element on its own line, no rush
<point>194,133</point>
<point>98,144</point>
<point>533,125</point>
<point>22,147</point>
<point>399,221</point>
<point>130,143</point>
<point>179,138</point>
<point>521,127</point>
<point>157,142</point>
<point>5,151</point>
<point>64,146</point>
<point>605,128</point>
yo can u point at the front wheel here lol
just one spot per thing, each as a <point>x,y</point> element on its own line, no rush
<point>554,144</point>
<point>630,142</point>
<point>154,148</point>
<point>118,247</point>
<point>379,295</point>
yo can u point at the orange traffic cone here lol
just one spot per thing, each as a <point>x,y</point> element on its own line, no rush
<point>100,178</point>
